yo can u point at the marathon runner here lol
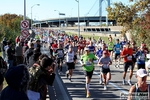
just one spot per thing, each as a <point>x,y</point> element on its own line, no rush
<point>141,58</point>
<point>98,55</point>
<point>117,49</point>
<point>127,55</point>
<point>70,56</point>
<point>92,48</point>
<point>110,47</point>
<point>81,45</point>
<point>105,63</point>
<point>59,58</point>
<point>88,67</point>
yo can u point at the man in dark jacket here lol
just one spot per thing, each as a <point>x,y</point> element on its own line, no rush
<point>9,54</point>
<point>28,54</point>
<point>17,79</point>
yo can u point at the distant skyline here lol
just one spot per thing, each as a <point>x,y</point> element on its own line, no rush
<point>47,7</point>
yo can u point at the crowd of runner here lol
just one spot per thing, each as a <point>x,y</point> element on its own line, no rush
<point>71,49</point>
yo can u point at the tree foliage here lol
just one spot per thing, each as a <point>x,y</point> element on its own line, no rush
<point>134,17</point>
<point>10,26</point>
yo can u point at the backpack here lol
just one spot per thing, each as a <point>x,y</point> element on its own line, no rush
<point>3,66</point>
<point>34,72</point>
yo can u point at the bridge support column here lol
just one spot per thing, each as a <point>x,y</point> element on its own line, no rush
<point>72,24</point>
<point>87,23</point>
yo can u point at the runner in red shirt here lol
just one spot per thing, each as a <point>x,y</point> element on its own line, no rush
<point>126,54</point>
<point>81,45</point>
<point>54,47</point>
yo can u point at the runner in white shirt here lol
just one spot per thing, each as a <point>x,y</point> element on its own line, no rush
<point>70,62</point>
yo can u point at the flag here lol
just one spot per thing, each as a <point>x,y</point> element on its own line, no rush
<point>62,14</point>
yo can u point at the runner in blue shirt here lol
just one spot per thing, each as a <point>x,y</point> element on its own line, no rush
<point>141,57</point>
<point>122,43</point>
<point>91,47</point>
<point>117,49</point>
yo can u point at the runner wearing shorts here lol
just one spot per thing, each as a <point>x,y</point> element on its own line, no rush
<point>117,49</point>
<point>105,62</point>
<point>70,62</point>
<point>126,54</point>
<point>110,47</point>
<point>88,67</point>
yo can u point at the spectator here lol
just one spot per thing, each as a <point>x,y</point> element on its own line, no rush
<point>139,87</point>
<point>17,79</point>
<point>17,39</point>
<point>4,43</point>
<point>28,54</point>
<point>18,53</point>
<point>25,47</point>
<point>1,82</point>
<point>43,75</point>
<point>9,54</point>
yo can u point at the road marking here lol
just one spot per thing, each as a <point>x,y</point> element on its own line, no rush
<point>114,85</point>
<point>61,87</point>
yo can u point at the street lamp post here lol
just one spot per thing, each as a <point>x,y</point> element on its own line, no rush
<point>78,18</point>
<point>31,12</point>
<point>24,18</point>
<point>59,17</point>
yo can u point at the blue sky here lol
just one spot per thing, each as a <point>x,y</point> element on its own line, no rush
<point>47,7</point>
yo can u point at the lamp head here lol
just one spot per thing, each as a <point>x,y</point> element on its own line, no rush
<point>38,4</point>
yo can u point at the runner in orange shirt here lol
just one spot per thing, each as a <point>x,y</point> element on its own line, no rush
<point>126,54</point>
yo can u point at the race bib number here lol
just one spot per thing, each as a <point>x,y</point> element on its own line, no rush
<point>129,58</point>
<point>117,49</point>
<point>88,63</point>
<point>142,57</point>
<point>70,59</point>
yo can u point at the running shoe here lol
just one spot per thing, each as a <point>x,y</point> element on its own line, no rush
<point>123,82</point>
<point>67,75</point>
<point>105,87</point>
<point>100,81</point>
<point>130,83</point>
<point>70,79</point>
<point>88,95</point>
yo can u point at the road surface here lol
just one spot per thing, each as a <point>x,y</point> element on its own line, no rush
<point>63,89</point>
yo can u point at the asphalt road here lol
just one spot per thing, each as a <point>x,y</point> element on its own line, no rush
<point>63,89</point>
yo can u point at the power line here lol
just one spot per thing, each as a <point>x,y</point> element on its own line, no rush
<point>99,8</point>
<point>92,6</point>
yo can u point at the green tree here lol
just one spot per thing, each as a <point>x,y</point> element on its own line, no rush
<point>133,17</point>
<point>10,26</point>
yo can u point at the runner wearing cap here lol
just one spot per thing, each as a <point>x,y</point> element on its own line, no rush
<point>126,54</point>
<point>140,87</point>
<point>98,55</point>
<point>88,67</point>
<point>105,62</point>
